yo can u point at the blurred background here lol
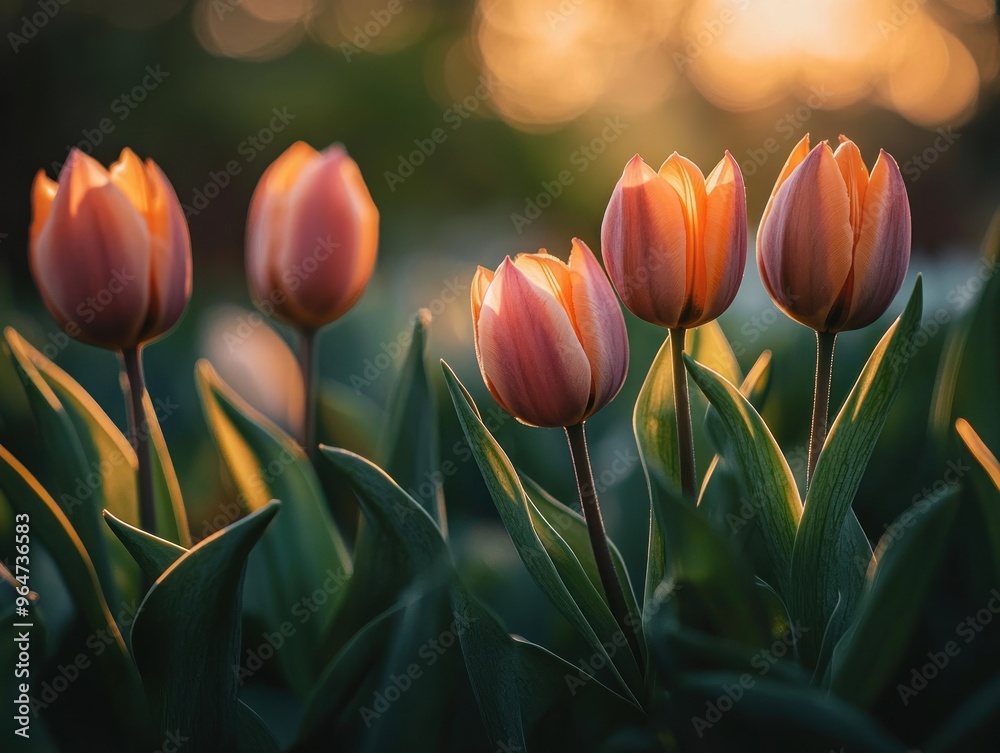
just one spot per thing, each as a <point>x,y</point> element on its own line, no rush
<point>487,128</point>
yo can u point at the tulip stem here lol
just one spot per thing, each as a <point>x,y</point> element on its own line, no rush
<point>598,537</point>
<point>307,346</point>
<point>138,430</point>
<point>821,398</point>
<point>682,410</point>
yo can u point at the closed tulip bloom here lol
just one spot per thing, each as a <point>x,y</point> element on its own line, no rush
<point>674,242</point>
<point>110,250</point>
<point>834,241</point>
<point>550,336</point>
<point>312,236</point>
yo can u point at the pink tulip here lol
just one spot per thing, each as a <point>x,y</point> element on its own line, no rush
<point>312,236</point>
<point>675,243</point>
<point>550,337</point>
<point>834,241</point>
<point>110,250</point>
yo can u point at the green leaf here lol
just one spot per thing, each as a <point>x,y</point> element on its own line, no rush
<point>907,562</point>
<point>548,558</point>
<point>789,714</point>
<point>979,450</point>
<point>151,553</point>
<point>187,635</point>
<point>303,550</point>
<point>518,685</point>
<point>775,500</point>
<point>570,524</point>
<point>825,566</point>
<point>171,517</point>
<point>409,448</point>
<point>27,496</point>
<point>969,728</point>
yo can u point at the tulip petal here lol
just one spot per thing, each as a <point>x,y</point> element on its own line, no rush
<point>805,245</point>
<point>855,174</point>
<point>798,153</point>
<point>883,250</point>
<point>725,248</point>
<point>530,353</point>
<point>549,273</point>
<point>43,193</point>
<point>685,177</point>
<point>268,219</point>
<point>644,242</point>
<point>600,324</point>
<point>331,239</point>
<point>170,271</point>
<point>91,259</point>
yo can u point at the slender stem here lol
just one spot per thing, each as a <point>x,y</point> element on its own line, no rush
<point>138,430</point>
<point>598,537</point>
<point>307,343</point>
<point>821,398</point>
<point>682,409</point>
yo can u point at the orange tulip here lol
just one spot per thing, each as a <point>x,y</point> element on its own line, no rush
<point>834,241</point>
<point>312,236</point>
<point>674,243</point>
<point>110,250</point>
<point>550,337</point>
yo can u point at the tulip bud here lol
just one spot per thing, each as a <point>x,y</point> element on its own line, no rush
<point>834,241</point>
<point>312,236</point>
<point>674,243</point>
<point>550,337</point>
<point>110,250</point>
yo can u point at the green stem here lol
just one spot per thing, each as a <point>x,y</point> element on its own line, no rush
<point>825,342</point>
<point>577,438</point>
<point>138,430</point>
<point>307,345</point>
<point>682,410</point>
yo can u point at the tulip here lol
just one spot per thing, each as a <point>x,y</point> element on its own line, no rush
<point>552,347</point>
<point>312,236</point>
<point>110,251</point>
<point>111,255</point>
<point>832,248</point>
<point>834,241</point>
<point>550,337</point>
<point>675,243</point>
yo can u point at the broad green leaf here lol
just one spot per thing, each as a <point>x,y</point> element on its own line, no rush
<point>789,713</point>
<point>823,572</point>
<point>52,528</point>
<point>547,556</point>
<point>151,553</point>
<point>303,550</point>
<point>409,450</point>
<point>969,728</point>
<point>571,525</point>
<point>518,685</point>
<point>252,735</point>
<point>775,500</point>
<point>403,544</point>
<point>186,636</point>
<point>906,564</point>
